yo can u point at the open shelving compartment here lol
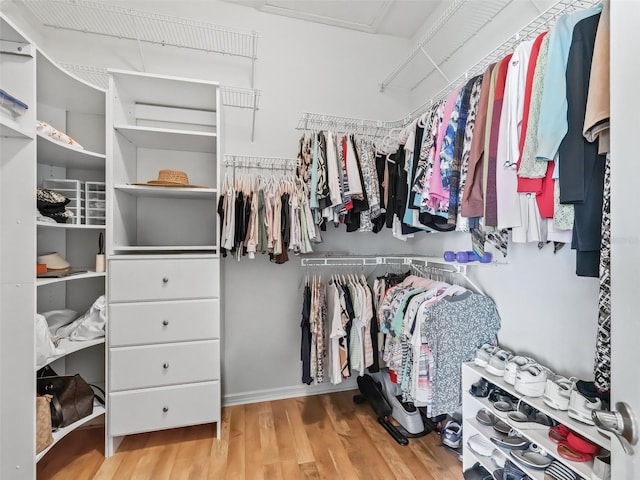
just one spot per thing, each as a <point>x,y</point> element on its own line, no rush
<point>158,124</point>
<point>472,404</point>
<point>77,109</point>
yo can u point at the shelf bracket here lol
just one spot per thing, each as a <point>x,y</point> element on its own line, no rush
<point>437,67</point>
<point>135,29</point>
<point>16,48</point>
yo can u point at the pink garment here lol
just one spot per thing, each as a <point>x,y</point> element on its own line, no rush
<point>436,191</point>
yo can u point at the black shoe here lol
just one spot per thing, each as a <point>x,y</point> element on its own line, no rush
<point>481,388</point>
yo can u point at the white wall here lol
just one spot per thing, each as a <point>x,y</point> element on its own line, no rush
<point>546,310</point>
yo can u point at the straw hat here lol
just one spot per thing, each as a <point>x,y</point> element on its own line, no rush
<point>171,178</point>
<point>54,261</point>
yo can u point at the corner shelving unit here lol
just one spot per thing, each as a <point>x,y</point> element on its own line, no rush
<point>77,109</point>
<point>27,159</point>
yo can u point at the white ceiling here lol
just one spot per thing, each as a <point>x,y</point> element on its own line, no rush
<point>402,18</point>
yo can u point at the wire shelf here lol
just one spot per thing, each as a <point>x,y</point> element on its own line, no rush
<point>544,21</point>
<point>347,125</point>
<point>94,75</point>
<point>541,23</point>
<point>452,8</point>
<point>241,97</point>
<point>265,163</point>
<point>231,96</point>
<point>120,22</point>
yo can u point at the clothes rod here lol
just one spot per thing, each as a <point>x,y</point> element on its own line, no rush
<point>374,261</point>
<point>267,163</point>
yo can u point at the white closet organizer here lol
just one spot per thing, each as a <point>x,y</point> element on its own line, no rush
<point>164,279</point>
<point>17,250</point>
<point>470,406</point>
<point>78,109</point>
<point>26,160</point>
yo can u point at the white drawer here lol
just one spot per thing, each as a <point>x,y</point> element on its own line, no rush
<point>168,364</point>
<point>163,279</point>
<point>163,322</point>
<point>160,408</point>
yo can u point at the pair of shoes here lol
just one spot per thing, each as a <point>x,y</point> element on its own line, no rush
<point>492,358</point>
<point>580,407</point>
<point>576,448</point>
<point>557,392</point>
<point>485,417</point>
<point>451,434</point>
<point>589,389</point>
<point>513,365</point>
<point>509,472</point>
<point>477,472</point>
<point>480,446</point>
<point>531,380</point>
<point>502,409</point>
<point>512,442</point>
<point>559,471</point>
<point>532,421</point>
<point>533,457</point>
<point>481,388</point>
<point>559,433</point>
<point>484,353</point>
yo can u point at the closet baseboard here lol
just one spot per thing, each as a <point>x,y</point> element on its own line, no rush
<point>285,392</point>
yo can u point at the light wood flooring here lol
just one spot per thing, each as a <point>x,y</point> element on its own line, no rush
<point>322,436</point>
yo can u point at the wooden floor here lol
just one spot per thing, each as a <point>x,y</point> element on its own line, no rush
<point>322,436</point>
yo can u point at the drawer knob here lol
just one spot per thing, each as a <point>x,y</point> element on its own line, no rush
<point>165,323</point>
<point>165,409</point>
<point>166,365</point>
<point>165,280</point>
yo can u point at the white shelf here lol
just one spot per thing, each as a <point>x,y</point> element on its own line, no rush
<point>166,248</point>
<point>168,192</point>
<point>68,347</point>
<point>51,152</point>
<point>587,431</point>
<point>70,226</point>
<point>63,432</point>
<point>57,87</point>
<point>11,128</point>
<point>80,276</point>
<point>169,139</point>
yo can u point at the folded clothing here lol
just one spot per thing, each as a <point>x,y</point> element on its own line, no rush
<point>52,204</point>
<point>11,103</point>
<point>45,129</point>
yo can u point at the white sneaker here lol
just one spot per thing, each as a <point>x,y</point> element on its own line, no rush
<point>557,392</point>
<point>531,380</point>
<point>483,354</point>
<point>452,434</point>
<point>580,407</point>
<point>512,367</point>
<point>498,363</point>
